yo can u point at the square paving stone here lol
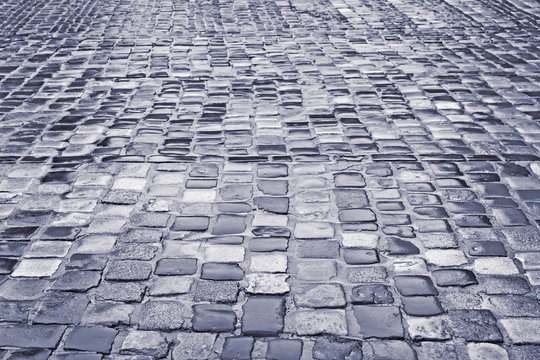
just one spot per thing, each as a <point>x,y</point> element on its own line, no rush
<point>317,322</point>
<point>229,224</point>
<point>263,219</point>
<point>272,170</point>
<point>236,192</point>
<point>328,348</point>
<point>237,348</point>
<point>421,305</point>
<point>510,217</point>
<point>128,270</point>
<point>108,313</point>
<point>366,274</point>
<point>150,219</point>
<point>278,205</point>
<point>163,315</point>
<point>176,266</point>
<point>141,236</point>
<point>497,285</point>
<point>201,183</point>
<point>36,336</point>
<point>225,253</point>
<point>28,217</point>
<point>96,244</point>
<point>60,232</point>
<point>414,285</point>
<point>170,285</point>
<point>198,196</point>
<point>522,238</point>
<point>271,231</point>
<point>357,215</point>
<point>7,265</point>
<point>360,256</point>
<point>124,291</point>
<point>316,270</point>
<point>351,198</point>
<point>388,349</point>
<point>264,283</point>
<point>349,180</point>
<point>320,296</point>
<point>194,346</point>
<point>454,277</point>
<point>263,315</point>
<point>29,354</point>
<point>360,240</point>
<point>191,223</point>
<point>234,207</point>
<point>220,271</point>
<point>475,325</point>
<point>16,311</point>
<point>273,263</point>
<point>61,308</point>
<point>268,244</point>
<point>93,339</point>
<point>522,330</point>
<point>215,291</point>
<point>18,232</point>
<point>317,249</point>
<point>121,197</point>
<point>525,352</point>
<point>214,318</point>
<point>87,262</point>
<point>76,280</point>
<point>473,221</point>
<point>514,305</point>
<point>128,251</point>
<point>397,246</point>
<point>379,321</point>
<point>371,294</point>
<point>428,328</point>
<point>144,343</point>
<point>204,170</point>
<point>485,350</point>
<point>106,225</point>
<point>284,349</point>
<point>12,248</point>
<point>23,289</point>
<point>36,268</point>
<point>495,266</point>
<point>313,230</point>
<point>273,187</point>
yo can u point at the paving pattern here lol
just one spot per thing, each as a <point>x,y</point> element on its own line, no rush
<point>277,179</point>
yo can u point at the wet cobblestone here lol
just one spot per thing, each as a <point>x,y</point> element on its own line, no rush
<point>284,179</point>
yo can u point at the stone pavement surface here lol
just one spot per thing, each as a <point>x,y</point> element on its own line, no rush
<point>277,179</point>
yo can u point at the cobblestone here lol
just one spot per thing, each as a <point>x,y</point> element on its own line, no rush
<point>275,179</point>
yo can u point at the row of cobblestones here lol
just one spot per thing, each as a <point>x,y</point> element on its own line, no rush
<point>285,179</point>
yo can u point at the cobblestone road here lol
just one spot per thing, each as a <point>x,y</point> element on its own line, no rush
<point>236,179</point>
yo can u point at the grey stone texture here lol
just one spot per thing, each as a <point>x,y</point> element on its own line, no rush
<point>269,179</point>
